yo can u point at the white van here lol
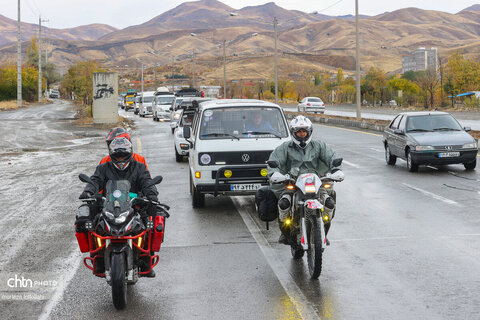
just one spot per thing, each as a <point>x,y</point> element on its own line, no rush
<point>145,105</point>
<point>230,142</point>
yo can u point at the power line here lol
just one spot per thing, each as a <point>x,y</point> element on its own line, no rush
<point>330,6</point>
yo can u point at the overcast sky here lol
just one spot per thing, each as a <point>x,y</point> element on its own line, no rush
<point>123,13</point>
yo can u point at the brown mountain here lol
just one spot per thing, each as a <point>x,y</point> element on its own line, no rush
<point>311,42</point>
<point>8,31</point>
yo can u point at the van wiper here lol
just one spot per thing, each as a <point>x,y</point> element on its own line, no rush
<point>220,135</point>
<point>445,129</point>
<point>419,130</point>
<point>263,132</point>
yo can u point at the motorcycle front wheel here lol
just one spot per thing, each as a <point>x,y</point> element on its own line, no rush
<point>119,281</point>
<point>314,252</point>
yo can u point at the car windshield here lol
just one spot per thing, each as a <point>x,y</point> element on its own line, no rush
<point>314,100</point>
<point>147,99</point>
<point>164,100</point>
<point>130,98</point>
<point>442,122</point>
<point>242,123</point>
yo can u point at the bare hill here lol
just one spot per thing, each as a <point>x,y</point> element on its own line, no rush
<point>8,31</point>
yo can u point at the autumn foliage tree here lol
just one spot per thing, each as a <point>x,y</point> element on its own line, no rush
<point>79,81</point>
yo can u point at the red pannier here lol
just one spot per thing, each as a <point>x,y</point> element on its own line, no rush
<point>158,236</point>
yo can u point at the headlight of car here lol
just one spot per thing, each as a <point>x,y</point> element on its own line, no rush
<point>205,159</point>
<point>176,116</point>
<point>470,145</point>
<point>424,148</point>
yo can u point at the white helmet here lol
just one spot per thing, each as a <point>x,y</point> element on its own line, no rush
<point>299,123</point>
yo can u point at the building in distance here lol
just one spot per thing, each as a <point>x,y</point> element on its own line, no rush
<point>421,59</point>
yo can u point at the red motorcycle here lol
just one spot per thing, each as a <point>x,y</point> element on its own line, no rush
<point>122,239</point>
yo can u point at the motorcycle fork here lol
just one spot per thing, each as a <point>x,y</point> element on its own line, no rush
<point>304,241</point>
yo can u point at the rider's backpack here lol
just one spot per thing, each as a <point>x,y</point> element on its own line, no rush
<point>266,204</point>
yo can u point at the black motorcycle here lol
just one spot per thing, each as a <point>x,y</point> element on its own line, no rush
<point>122,239</point>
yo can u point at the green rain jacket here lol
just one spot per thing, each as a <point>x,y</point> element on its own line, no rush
<point>317,155</point>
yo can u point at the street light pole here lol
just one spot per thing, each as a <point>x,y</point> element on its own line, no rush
<point>19,60</point>
<point>359,114</point>
<point>224,70</point>
<point>173,74</point>
<point>39,59</point>
<point>275,23</point>
<point>142,82</point>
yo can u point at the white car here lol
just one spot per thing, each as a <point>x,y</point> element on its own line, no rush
<point>229,147</point>
<point>311,104</point>
<point>161,107</point>
<point>181,145</point>
<point>145,104</point>
<point>175,114</point>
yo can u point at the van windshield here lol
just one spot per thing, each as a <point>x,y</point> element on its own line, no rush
<point>164,100</point>
<point>147,99</point>
<point>242,123</point>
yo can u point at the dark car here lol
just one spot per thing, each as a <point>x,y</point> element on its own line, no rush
<point>429,138</point>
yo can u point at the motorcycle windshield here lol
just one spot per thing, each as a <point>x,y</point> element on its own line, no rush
<point>117,196</point>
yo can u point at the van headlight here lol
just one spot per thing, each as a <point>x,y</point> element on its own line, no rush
<point>205,159</point>
<point>470,145</point>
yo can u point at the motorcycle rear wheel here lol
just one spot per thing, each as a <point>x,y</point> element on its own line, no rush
<point>119,281</point>
<point>314,252</point>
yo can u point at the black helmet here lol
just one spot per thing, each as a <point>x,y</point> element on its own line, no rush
<point>120,150</point>
<point>115,133</point>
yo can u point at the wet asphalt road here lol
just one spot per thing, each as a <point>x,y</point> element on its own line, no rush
<point>403,245</point>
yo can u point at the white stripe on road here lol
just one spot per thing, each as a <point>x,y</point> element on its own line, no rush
<point>72,263</point>
<point>377,150</point>
<point>432,195</point>
<point>351,164</point>
<point>303,306</point>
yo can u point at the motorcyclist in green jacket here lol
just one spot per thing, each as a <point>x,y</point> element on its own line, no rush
<point>306,155</point>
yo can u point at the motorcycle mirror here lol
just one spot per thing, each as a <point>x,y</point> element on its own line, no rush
<point>84,178</point>
<point>154,181</point>
<point>337,162</point>
<point>273,163</point>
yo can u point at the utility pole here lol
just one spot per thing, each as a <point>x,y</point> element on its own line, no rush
<point>40,59</point>
<point>142,82</point>
<point>193,58</point>
<point>224,70</point>
<point>359,113</point>
<point>19,60</point>
<point>275,23</point>
<point>173,74</point>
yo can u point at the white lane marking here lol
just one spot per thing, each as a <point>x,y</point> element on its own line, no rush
<point>303,306</point>
<point>452,236</point>
<point>139,145</point>
<point>351,164</point>
<point>72,263</point>
<point>377,150</point>
<point>433,195</point>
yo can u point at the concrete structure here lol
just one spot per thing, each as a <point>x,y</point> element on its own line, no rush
<point>211,91</point>
<point>421,59</point>
<point>105,97</point>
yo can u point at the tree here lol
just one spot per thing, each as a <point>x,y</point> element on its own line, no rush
<point>375,80</point>
<point>79,80</point>
<point>8,82</point>
<point>428,83</point>
<point>464,74</point>
<point>340,76</point>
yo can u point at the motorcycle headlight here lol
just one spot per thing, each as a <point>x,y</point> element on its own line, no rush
<point>310,189</point>
<point>122,217</point>
<point>424,148</point>
<point>470,145</point>
<point>109,215</point>
<point>205,159</point>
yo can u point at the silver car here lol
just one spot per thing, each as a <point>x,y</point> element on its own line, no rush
<point>161,107</point>
<point>311,104</point>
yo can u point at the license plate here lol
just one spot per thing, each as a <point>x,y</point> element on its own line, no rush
<point>245,187</point>
<point>448,154</point>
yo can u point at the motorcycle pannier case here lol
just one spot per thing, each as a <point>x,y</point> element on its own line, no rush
<point>266,204</point>
<point>82,240</point>
<point>158,236</point>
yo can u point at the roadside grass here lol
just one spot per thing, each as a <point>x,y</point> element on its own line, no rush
<point>11,105</point>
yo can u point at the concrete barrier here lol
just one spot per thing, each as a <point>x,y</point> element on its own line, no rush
<point>105,97</point>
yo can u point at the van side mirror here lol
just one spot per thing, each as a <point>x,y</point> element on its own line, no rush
<point>467,128</point>
<point>186,132</point>
<point>398,131</point>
